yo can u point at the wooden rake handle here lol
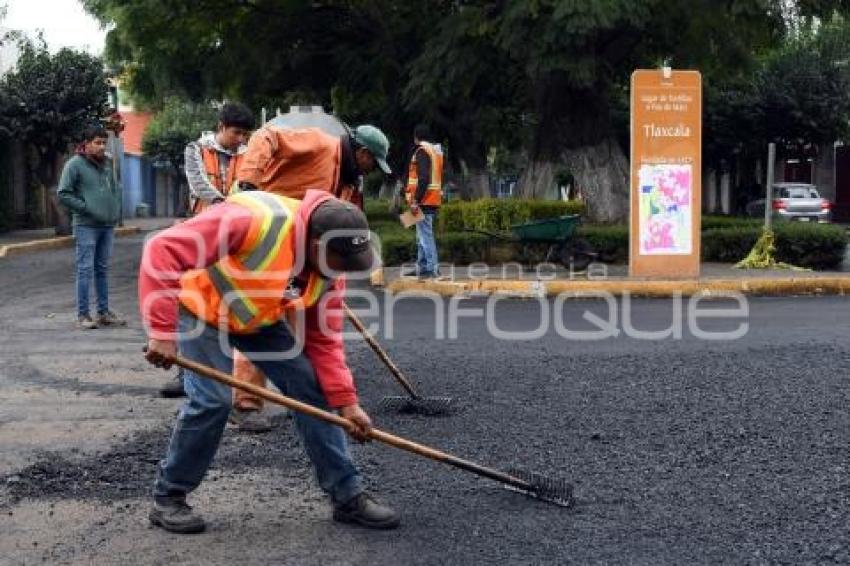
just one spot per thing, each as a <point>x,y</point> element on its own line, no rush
<point>376,434</point>
<point>381,353</point>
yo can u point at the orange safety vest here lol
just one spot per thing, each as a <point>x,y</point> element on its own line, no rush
<point>252,288</point>
<point>434,192</point>
<point>221,180</point>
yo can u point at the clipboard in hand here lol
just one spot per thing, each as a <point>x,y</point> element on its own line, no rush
<point>409,218</point>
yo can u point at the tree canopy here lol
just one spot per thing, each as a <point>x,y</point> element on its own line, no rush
<point>545,78</point>
<point>47,100</point>
<point>797,93</point>
<point>178,123</point>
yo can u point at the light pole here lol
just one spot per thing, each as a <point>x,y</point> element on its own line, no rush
<point>768,199</point>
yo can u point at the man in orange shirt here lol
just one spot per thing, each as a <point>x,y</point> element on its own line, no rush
<point>289,162</point>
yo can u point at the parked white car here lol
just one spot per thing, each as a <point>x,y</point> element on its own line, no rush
<point>799,202</point>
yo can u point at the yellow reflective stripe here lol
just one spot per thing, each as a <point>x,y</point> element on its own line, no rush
<point>318,288</point>
<point>434,156</point>
<point>270,244</point>
<point>242,307</point>
<point>276,222</point>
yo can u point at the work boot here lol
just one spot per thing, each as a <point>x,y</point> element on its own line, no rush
<point>109,318</point>
<point>85,322</point>
<point>365,511</point>
<point>249,420</point>
<point>175,516</point>
<point>174,387</point>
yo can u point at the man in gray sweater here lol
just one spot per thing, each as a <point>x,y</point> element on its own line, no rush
<point>87,188</point>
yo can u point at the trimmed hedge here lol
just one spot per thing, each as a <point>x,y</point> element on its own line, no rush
<point>730,244</point>
<point>724,239</point>
<point>379,211</point>
<point>715,222</point>
<point>819,246</point>
<point>459,248</point>
<point>497,215</point>
<point>813,246</point>
<point>493,215</point>
<point>399,248</point>
<point>610,241</point>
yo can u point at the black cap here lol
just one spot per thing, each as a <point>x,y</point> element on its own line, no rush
<point>345,230</point>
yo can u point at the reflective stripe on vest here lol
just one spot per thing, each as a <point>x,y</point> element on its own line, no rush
<point>273,225</point>
<point>250,288</point>
<point>434,192</point>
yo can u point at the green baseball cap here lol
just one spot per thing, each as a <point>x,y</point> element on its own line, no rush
<point>376,142</point>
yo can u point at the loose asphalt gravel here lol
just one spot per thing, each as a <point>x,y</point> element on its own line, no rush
<point>680,450</point>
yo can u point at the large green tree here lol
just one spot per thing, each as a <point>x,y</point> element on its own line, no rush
<point>350,56</point>
<point>46,102</point>
<point>574,59</point>
<point>543,78</point>
<point>797,94</point>
<point>176,124</point>
<point>565,66</point>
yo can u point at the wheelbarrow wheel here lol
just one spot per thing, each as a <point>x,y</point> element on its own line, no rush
<point>577,255</point>
<point>528,253</point>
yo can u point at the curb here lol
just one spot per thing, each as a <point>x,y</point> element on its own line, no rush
<point>756,286</point>
<point>22,248</point>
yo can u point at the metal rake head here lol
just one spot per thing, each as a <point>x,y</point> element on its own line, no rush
<point>430,406</point>
<point>557,491</point>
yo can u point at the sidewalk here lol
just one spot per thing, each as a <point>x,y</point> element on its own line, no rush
<point>17,242</point>
<point>715,279</point>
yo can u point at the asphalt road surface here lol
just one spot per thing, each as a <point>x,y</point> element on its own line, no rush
<point>681,449</point>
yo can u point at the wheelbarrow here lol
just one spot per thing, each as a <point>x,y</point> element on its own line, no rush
<point>558,234</point>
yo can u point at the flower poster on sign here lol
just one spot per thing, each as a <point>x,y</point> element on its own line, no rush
<point>665,209</point>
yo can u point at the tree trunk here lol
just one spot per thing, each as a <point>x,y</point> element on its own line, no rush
<point>478,183</point>
<point>476,180</point>
<point>389,188</point>
<point>574,135</point>
<point>43,176</point>
<point>601,174</point>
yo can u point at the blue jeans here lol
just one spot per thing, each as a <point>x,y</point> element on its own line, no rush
<point>93,249</point>
<point>426,246</point>
<point>202,418</point>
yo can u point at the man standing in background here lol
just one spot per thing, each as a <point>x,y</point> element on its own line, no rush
<point>424,191</point>
<point>87,188</point>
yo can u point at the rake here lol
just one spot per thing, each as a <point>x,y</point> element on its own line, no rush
<point>413,402</point>
<point>556,491</point>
